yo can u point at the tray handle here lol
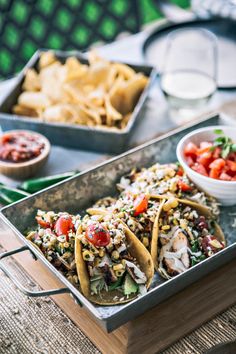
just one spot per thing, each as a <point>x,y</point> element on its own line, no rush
<point>19,285</point>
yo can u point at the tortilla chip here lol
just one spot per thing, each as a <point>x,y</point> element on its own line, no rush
<point>25,111</point>
<point>126,93</point>
<point>34,100</point>
<point>74,69</point>
<point>106,92</point>
<point>126,71</point>
<point>46,59</point>
<point>31,82</point>
<point>111,113</point>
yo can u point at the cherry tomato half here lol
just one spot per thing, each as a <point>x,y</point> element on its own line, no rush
<point>140,204</point>
<point>97,235</point>
<point>63,225</point>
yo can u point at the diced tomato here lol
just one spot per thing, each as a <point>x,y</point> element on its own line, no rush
<point>214,173</point>
<point>200,169</point>
<point>189,160</point>
<point>232,156</point>
<point>216,153</point>
<point>140,204</point>
<point>225,177</point>
<point>205,159</point>
<point>184,186</point>
<point>180,171</point>
<point>97,235</point>
<point>44,224</point>
<point>218,164</point>
<point>204,147</point>
<point>63,225</point>
<point>190,149</point>
<point>205,144</point>
<point>231,165</point>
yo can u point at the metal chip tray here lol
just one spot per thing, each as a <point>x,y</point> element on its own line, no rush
<point>81,191</point>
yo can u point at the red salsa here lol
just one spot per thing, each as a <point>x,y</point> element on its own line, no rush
<point>20,146</point>
<point>213,159</point>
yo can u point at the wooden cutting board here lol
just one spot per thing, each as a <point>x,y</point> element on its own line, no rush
<point>158,327</point>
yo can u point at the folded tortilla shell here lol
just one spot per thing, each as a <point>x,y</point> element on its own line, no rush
<point>203,210</point>
<point>113,297</point>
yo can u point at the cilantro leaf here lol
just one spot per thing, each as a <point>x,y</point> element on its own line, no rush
<point>233,148</point>
<point>224,142</point>
<point>218,131</point>
<point>225,152</point>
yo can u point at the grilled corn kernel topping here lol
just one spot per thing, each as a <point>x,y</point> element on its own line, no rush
<point>115,255</point>
<point>119,273</point>
<point>101,253</point>
<point>88,256</point>
<point>165,227</point>
<point>118,267</point>
<point>145,241</point>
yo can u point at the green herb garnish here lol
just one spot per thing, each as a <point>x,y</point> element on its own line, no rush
<point>117,284</point>
<point>224,142</point>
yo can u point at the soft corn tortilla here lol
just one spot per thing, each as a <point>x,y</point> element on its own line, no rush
<point>34,245</point>
<point>154,242</point>
<point>106,298</point>
<point>97,211</point>
<point>203,210</point>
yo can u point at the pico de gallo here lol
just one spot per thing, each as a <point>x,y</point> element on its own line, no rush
<point>20,146</point>
<point>216,159</point>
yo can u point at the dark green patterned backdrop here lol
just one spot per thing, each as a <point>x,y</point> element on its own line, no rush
<point>26,25</point>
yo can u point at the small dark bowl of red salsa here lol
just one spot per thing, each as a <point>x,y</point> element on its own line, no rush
<point>22,153</point>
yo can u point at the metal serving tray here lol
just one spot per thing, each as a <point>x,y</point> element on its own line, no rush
<point>79,192</point>
<point>73,135</point>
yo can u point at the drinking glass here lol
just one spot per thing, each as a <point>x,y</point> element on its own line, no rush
<point>188,77</point>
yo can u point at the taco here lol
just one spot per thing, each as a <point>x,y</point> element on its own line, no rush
<point>167,179</point>
<point>54,237</point>
<point>113,266</point>
<point>137,211</point>
<point>185,234</point>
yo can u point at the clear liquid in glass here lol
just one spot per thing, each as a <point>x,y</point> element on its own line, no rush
<point>187,93</point>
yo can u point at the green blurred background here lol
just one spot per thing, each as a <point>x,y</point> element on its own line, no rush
<point>26,25</point>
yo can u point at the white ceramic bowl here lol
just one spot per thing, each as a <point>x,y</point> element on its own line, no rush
<point>224,191</point>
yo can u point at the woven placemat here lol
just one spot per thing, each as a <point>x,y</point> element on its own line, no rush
<point>37,325</point>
